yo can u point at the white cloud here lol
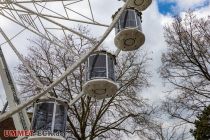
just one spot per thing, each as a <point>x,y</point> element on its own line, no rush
<point>203,12</point>
<point>153,23</point>
<point>186,4</point>
<point>183,5</point>
<point>153,28</point>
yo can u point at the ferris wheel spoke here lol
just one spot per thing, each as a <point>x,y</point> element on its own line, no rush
<point>31,72</point>
<point>30,1</point>
<point>10,13</point>
<point>39,22</point>
<point>20,57</point>
<point>56,23</point>
<point>17,15</point>
<point>80,14</point>
<point>47,9</point>
<point>43,36</point>
<point>42,25</point>
<point>59,16</point>
<point>35,20</point>
<point>39,34</point>
<point>66,7</point>
<point>28,21</point>
<point>67,72</point>
<point>91,10</point>
<point>76,1</point>
<point>4,108</point>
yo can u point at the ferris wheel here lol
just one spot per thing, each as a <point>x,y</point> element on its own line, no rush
<point>50,19</point>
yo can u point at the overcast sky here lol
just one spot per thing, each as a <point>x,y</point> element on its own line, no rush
<point>154,18</point>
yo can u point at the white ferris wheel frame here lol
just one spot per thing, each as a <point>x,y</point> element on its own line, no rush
<point>46,89</point>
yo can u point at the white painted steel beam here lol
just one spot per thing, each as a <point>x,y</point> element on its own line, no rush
<point>67,72</point>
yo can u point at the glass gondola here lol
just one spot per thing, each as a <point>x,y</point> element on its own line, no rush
<point>140,5</point>
<point>49,120</point>
<point>100,76</point>
<point>129,35</point>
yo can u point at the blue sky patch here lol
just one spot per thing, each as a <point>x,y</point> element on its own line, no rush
<point>170,7</point>
<point>166,7</point>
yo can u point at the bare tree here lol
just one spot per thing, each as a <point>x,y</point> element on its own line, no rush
<point>186,67</point>
<point>161,128</point>
<point>124,113</point>
<point>164,132</point>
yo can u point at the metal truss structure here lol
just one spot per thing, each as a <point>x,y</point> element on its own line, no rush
<point>43,18</point>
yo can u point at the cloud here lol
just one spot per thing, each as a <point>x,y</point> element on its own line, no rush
<point>203,12</point>
<point>177,6</point>
<point>186,4</point>
<point>153,28</point>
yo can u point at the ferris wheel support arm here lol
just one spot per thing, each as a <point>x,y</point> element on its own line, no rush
<point>75,20</point>
<point>37,33</point>
<point>29,1</point>
<point>67,72</point>
<point>66,28</point>
<point>30,70</point>
<point>62,17</point>
<point>117,52</point>
<point>21,120</point>
<point>4,108</point>
<point>76,99</point>
<point>22,59</point>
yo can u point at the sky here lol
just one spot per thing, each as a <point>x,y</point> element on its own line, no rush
<point>158,14</point>
<point>174,7</point>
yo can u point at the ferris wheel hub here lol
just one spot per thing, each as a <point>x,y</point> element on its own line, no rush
<point>129,39</point>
